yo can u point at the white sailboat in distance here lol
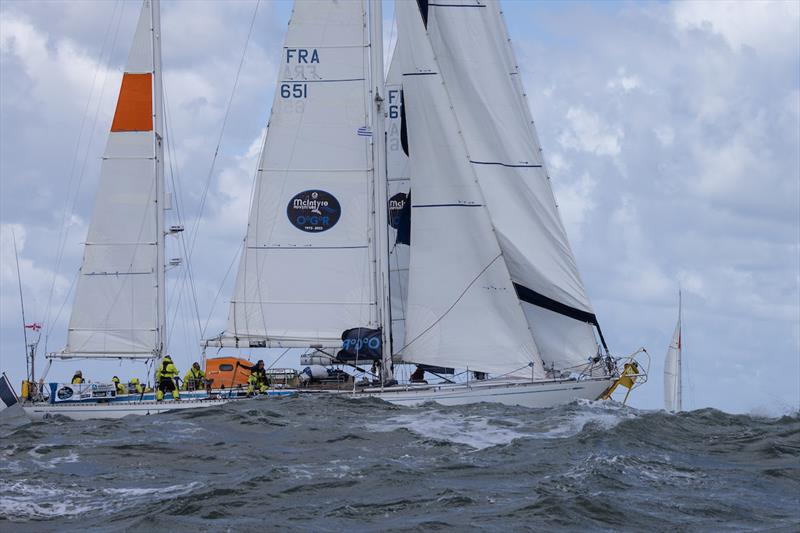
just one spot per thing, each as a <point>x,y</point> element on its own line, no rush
<point>474,278</point>
<point>673,388</point>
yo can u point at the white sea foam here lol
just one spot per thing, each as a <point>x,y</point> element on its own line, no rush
<point>22,500</point>
<point>565,427</point>
<point>484,431</point>
<point>470,430</point>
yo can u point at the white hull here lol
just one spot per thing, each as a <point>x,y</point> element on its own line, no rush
<point>535,394</point>
<point>90,411</point>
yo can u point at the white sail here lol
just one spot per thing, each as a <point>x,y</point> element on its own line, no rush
<point>307,271</point>
<point>116,308</point>
<point>477,64</point>
<point>462,309</point>
<point>672,371</point>
<point>399,185</point>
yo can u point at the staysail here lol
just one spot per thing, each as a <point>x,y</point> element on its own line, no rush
<point>478,66</point>
<point>462,310</point>
<point>672,371</point>
<point>119,306</point>
<point>307,273</point>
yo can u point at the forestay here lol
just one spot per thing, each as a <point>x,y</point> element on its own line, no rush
<point>116,311</point>
<point>473,51</point>
<point>462,310</point>
<point>307,273</point>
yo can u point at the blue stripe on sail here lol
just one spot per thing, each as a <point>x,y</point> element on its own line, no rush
<point>364,131</point>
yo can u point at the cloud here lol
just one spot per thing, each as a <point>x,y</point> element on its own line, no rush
<point>588,132</point>
<point>768,27</point>
<point>624,82</point>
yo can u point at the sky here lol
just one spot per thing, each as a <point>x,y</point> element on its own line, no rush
<point>671,131</point>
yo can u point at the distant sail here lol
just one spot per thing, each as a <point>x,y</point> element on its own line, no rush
<point>481,75</point>
<point>462,309</point>
<point>672,372</point>
<point>115,312</point>
<point>307,272</point>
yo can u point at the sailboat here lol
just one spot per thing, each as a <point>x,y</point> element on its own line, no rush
<point>673,389</point>
<point>119,307</point>
<point>473,281</point>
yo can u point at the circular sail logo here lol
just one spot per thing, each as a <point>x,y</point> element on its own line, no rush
<point>313,211</point>
<point>396,205</point>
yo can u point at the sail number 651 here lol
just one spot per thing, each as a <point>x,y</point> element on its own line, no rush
<point>294,90</point>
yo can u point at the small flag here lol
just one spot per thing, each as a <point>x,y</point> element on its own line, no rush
<point>34,326</point>
<point>364,131</point>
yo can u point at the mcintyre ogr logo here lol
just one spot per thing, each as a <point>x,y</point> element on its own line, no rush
<point>313,211</point>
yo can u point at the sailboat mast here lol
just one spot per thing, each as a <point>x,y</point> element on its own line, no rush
<point>381,227</point>
<point>158,116</point>
<point>679,395</point>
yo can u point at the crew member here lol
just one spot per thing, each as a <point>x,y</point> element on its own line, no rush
<point>258,378</point>
<point>137,386</point>
<point>121,389</point>
<point>195,378</point>
<point>77,379</point>
<point>166,375</point>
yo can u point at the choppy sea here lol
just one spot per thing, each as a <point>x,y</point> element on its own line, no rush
<point>335,464</point>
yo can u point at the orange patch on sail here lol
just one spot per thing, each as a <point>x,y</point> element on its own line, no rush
<point>135,105</point>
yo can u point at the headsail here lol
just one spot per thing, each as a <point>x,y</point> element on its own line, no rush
<point>118,310</point>
<point>672,370</point>
<point>482,79</point>
<point>462,309</point>
<point>307,273</point>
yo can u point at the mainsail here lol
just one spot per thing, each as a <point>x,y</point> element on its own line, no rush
<point>307,272</point>
<point>672,371</point>
<point>477,64</point>
<point>119,305</point>
<point>462,310</point>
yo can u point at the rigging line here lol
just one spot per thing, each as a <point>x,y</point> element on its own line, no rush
<point>175,177</point>
<point>471,283</point>
<point>279,358</point>
<point>204,196</point>
<point>21,302</point>
<point>64,231</point>
<point>219,291</point>
<point>63,304</point>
